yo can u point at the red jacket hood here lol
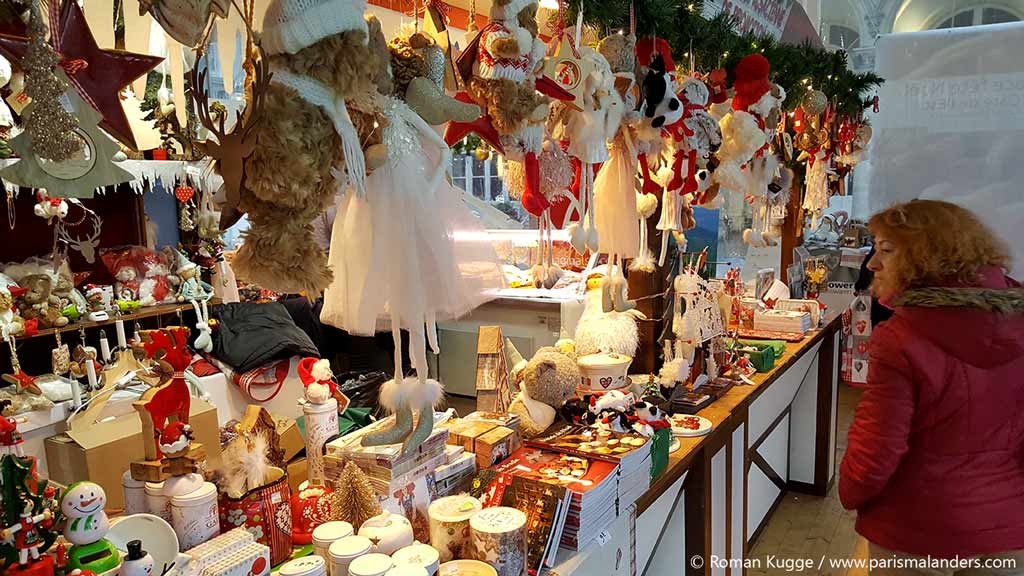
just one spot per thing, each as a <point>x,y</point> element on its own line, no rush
<point>981,325</point>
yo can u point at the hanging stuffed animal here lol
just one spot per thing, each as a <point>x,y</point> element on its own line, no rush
<point>418,68</point>
<point>587,129</point>
<point>502,68</point>
<point>316,121</point>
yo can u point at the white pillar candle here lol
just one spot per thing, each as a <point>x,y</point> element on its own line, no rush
<point>104,347</point>
<point>122,342</point>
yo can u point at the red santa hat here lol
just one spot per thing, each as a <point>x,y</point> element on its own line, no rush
<point>175,437</point>
<point>751,81</point>
<point>315,370</point>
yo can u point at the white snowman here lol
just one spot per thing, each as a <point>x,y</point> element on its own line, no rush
<point>83,506</point>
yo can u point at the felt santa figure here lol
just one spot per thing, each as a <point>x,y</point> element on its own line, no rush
<point>175,439</point>
<point>10,439</point>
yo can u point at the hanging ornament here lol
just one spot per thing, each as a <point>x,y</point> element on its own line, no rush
<point>185,221</point>
<point>184,193</point>
<point>11,215</point>
<point>482,153</point>
<point>98,75</point>
<point>49,124</point>
<point>86,245</point>
<point>49,208</point>
<point>814,102</point>
<point>22,382</point>
<point>60,357</point>
<point>90,168</point>
<point>569,70</point>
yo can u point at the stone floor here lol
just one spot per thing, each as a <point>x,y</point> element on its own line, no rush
<point>809,527</point>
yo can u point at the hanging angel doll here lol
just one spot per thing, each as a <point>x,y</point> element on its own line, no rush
<point>587,126</point>
<point>406,256</point>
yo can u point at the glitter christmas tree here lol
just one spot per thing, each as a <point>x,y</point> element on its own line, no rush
<point>49,123</point>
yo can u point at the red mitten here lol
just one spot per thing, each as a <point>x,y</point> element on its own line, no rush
<point>677,171</point>
<point>533,201</point>
<point>691,173</point>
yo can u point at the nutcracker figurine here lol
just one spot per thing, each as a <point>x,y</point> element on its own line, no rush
<point>25,533</point>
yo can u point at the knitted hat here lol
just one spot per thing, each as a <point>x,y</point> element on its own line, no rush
<point>506,10</point>
<point>751,81</point>
<point>291,25</point>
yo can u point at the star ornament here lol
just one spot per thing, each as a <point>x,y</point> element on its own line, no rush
<point>569,71</point>
<point>23,382</point>
<point>97,74</point>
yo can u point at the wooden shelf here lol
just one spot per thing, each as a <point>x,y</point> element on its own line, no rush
<point>147,312</point>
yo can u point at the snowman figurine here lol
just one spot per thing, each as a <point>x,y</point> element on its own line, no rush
<point>138,562</point>
<point>86,527</point>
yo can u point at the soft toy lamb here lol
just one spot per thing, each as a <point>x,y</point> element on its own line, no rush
<point>546,382</point>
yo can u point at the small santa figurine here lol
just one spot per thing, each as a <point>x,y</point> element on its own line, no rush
<point>318,379</point>
<point>175,440</point>
<point>25,533</point>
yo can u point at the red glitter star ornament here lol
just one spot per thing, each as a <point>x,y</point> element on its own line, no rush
<point>99,75</point>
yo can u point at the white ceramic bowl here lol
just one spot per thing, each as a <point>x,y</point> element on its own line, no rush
<point>603,372</point>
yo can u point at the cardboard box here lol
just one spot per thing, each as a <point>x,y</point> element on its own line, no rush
<point>291,438</point>
<point>297,473</point>
<point>102,452</point>
<point>465,432</point>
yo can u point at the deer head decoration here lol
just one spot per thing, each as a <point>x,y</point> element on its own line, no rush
<point>87,244</point>
<point>231,148</point>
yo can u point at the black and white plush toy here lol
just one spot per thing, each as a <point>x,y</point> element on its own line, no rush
<point>660,103</point>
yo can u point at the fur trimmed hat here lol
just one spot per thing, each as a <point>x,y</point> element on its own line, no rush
<point>751,81</point>
<point>506,10</point>
<point>291,25</point>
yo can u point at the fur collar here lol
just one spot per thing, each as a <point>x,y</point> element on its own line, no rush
<point>1004,301</point>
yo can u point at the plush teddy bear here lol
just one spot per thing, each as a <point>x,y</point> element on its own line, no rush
<point>71,302</point>
<point>547,382</point>
<point>317,119</point>
<point>11,324</point>
<point>39,302</point>
<point>504,62</point>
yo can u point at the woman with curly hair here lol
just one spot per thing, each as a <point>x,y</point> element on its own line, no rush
<point>935,459</point>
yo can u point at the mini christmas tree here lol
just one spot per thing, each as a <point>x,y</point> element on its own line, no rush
<point>356,499</point>
<point>49,123</point>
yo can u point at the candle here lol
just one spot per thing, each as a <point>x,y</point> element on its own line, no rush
<point>122,342</point>
<point>90,372</point>
<point>104,347</point>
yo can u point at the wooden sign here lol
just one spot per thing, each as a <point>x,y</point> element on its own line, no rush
<point>567,69</point>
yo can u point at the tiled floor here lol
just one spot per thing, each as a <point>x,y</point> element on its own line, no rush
<point>809,527</point>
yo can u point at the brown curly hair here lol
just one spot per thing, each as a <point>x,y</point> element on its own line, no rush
<point>938,242</point>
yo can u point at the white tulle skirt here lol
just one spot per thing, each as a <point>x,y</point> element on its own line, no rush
<point>410,252</point>
<point>615,203</point>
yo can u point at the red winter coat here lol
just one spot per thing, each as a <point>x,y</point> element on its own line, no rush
<point>935,461</point>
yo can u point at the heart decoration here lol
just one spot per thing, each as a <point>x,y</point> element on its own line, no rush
<point>862,325</point>
<point>606,382</point>
<point>862,348</point>
<point>860,306</point>
<point>184,193</point>
<point>858,365</point>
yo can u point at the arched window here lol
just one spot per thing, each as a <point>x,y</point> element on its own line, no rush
<point>977,16</point>
<point>843,37</point>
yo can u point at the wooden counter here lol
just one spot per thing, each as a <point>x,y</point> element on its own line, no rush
<point>719,490</point>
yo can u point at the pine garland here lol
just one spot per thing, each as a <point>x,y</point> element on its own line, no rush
<point>50,125</point>
<point>715,44</point>
<point>356,499</point>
